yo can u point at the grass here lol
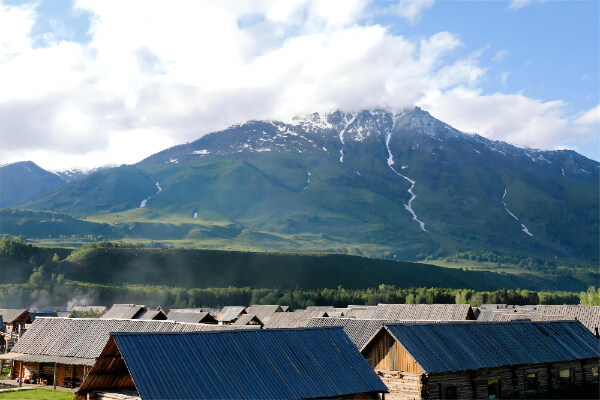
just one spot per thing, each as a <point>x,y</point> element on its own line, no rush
<point>34,394</point>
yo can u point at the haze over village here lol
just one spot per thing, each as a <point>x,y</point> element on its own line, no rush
<point>307,199</point>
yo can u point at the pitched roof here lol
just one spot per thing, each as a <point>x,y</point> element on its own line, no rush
<point>85,337</point>
<point>155,315</point>
<point>248,319</point>
<point>529,317</point>
<point>361,312</point>
<point>254,364</point>
<point>125,311</point>
<point>263,312</point>
<point>191,317</point>
<point>459,346</point>
<point>358,330</point>
<point>298,319</point>
<point>230,313</point>
<point>434,312</point>
<point>11,315</point>
<point>587,315</point>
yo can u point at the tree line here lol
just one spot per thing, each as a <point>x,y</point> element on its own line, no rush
<point>55,291</point>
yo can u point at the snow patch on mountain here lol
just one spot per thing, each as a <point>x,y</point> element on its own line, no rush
<point>348,123</point>
<point>390,162</point>
<point>523,227</point>
<point>143,203</point>
<point>201,152</point>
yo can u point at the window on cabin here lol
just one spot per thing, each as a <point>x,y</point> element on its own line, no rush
<point>493,388</point>
<point>595,372</point>
<point>532,382</point>
<point>450,392</point>
<point>565,377</point>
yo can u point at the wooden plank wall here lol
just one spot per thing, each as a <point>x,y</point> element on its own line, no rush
<point>385,353</point>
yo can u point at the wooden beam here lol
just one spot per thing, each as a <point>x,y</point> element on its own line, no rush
<point>54,380</point>
<point>21,374</point>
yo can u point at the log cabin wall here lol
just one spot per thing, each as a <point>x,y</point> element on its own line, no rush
<point>513,380</point>
<point>402,385</point>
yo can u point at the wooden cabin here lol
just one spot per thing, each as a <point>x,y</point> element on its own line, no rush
<point>70,346</point>
<point>14,319</point>
<point>249,319</point>
<point>263,312</point>
<point>228,315</point>
<point>124,311</point>
<point>191,317</point>
<point>311,363</point>
<point>482,360</point>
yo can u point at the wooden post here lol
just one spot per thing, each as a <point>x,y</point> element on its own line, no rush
<point>21,374</point>
<point>54,380</point>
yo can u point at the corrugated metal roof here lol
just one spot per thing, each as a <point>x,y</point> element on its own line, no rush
<point>86,337</point>
<point>529,317</point>
<point>248,319</point>
<point>434,312</point>
<point>469,346</point>
<point>124,311</point>
<point>155,315</point>
<point>358,330</point>
<point>259,364</point>
<point>298,319</point>
<point>587,315</point>
<point>191,317</point>
<point>230,313</point>
<point>263,312</point>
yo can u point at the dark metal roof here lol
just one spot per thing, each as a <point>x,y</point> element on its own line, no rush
<point>358,330</point>
<point>459,346</point>
<point>252,364</point>
<point>587,315</point>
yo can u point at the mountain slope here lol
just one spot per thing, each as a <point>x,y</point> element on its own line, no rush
<point>372,182</point>
<point>23,181</point>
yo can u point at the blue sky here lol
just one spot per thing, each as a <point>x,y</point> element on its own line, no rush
<point>88,83</point>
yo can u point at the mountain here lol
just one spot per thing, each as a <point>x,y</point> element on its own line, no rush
<point>23,181</point>
<point>373,182</point>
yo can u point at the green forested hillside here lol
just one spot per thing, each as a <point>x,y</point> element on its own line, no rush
<point>396,186</point>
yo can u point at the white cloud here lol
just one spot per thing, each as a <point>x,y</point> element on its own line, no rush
<point>590,117</point>
<point>502,54</point>
<point>513,118</point>
<point>504,77</point>
<point>411,9</point>
<point>171,73</point>
<point>517,4</point>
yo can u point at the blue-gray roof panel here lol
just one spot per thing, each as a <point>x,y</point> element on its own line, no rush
<point>257,364</point>
<point>468,346</point>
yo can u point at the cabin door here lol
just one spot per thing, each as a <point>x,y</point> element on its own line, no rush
<point>62,373</point>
